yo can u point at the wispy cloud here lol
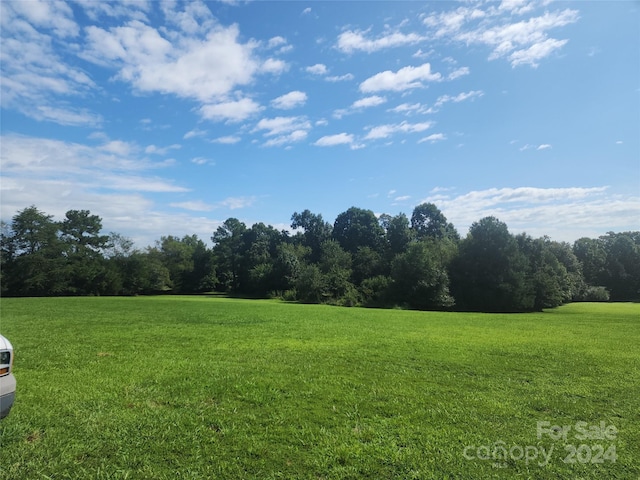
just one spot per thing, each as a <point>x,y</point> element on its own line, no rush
<point>231,111</point>
<point>433,138</point>
<point>284,130</point>
<point>194,206</point>
<point>459,72</point>
<point>36,80</point>
<point>114,165</point>
<point>279,125</point>
<point>227,140</point>
<point>113,180</point>
<point>202,161</point>
<point>196,132</point>
<point>351,41</point>
<point>385,131</point>
<point>406,78</point>
<point>339,78</point>
<point>522,42</point>
<point>337,139</point>
<point>543,146</point>
<point>290,100</point>
<point>235,203</point>
<point>359,105</point>
<point>570,212</point>
<point>317,69</point>
<point>461,97</point>
<point>155,150</point>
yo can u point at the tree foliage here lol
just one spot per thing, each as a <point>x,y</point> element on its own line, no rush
<point>361,259</point>
<point>490,272</point>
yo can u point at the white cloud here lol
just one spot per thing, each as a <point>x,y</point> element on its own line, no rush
<point>119,147</point>
<point>544,146</point>
<point>194,206</point>
<point>69,116</point>
<point>280,44</point>
<point>195,18</point>
<point>187,66</point>
<point>340,78</point>
<point>234,203</point>
<point>152,149</point>
<point>421,54</point>
<point>523,42</point>
<point>404,79</point>
<point>36,81</point>
<point>132,10</point>
<point>194,133</point>
<point>536,52</point>
<point>358,105</point>
<point>433,138</point>
<point>411,108</point>
<point>562,213</point>
<point>284,130</point>
<point>114,165</point>
<point>280,125</point>
<point>231,111</point>
<point>461,97</point>
<point>290,100</point>
<point>516,6</point>
<point>460,72</point>
<point>385,131</point>
<point>317,69</point>
<point>351,41</point>
<point>293,137</point>
<point>274,66</point>
<point>367,102</point>
<point>332,140</point>
<point>55,16</point>
<point>202,161</point>
<point>227,140</point>
<point>110,180</point>
<point>276,42</point>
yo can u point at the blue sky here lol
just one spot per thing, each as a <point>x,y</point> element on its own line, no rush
<point>166,118</point>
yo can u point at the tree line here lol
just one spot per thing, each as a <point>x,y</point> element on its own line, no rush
<point>419,262</point>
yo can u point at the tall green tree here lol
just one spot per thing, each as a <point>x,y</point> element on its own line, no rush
<point>287,266</point>
<point>81,234</point>
<point>398,234</point>
<point>315,229</point>
<point>177,257</point>
<point>427,221</point>
<point>335,265</point>
<point>228,248</point>
<point>547,276</point>
<point>34,263</point>
<point>420,276</point>
<point>356,228</point>
<point>34,231</point>
<point>622,267</point>
<point>258,264</point>
<point>490,272</point>
<point>593,257</point>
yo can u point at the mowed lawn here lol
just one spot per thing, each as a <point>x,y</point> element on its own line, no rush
<point>210,387</point>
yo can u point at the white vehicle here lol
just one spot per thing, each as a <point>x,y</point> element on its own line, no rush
<point>7,380</point>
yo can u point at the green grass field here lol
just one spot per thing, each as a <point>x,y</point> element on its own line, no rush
<point>199,387</point>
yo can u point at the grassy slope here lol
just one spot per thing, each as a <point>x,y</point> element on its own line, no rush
<point>194,387</point>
